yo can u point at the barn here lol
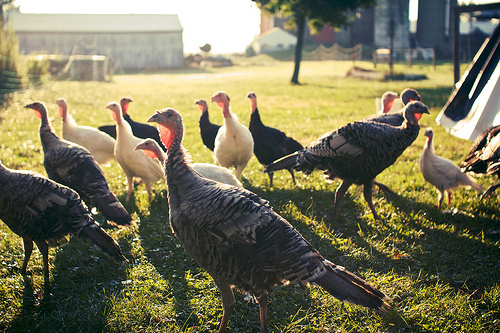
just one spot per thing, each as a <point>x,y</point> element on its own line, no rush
<point>130,41</point>
<point>275,39</point>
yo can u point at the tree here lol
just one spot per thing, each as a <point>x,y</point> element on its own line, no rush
<point>335,13</point>
<point>3,3</point>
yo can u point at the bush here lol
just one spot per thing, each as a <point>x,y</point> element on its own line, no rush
<point>11,77</point>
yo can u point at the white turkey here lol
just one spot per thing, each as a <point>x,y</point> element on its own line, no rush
<point>269,143</point>
<point>234,142</point>
<point>139,130</point>
<point>133,162</point>
<point>98,143</point>
<point>42,211</point>
<point>357,152</point>
<point>238,238</point>
<point>396,118</point>
<point>208,130</point>
<point>207,170</point>
<point>441,172</point>
<point>72,165</point>
<point>387,101</point>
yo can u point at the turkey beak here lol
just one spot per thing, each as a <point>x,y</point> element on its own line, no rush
<point>153,118</point>
<point>419,115</point>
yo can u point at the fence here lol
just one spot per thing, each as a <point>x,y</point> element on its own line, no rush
<point>334,52</point>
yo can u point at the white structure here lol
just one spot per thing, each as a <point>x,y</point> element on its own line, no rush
<point>133,41</point>
<point>275,39</point>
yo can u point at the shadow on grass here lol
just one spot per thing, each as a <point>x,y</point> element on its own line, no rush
<point>417,240</point>
<point>82,280</point>
<point>166,255</point>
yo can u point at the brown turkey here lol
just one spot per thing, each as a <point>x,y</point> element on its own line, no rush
<point>357,152</point>
<point>395,119</point>
<point>42,211</point>
<point>269,143</point>
<point>72,165</point>
<point>237,237</point>
<point>484,156</point>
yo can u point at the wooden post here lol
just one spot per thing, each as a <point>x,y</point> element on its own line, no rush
<point>391,47</point>
<point>456,43</point>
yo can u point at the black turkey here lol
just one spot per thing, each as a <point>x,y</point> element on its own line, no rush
<point>269,143</point>
<point>208,130</point>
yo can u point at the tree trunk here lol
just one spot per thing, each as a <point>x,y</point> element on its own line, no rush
<point>301,27</point>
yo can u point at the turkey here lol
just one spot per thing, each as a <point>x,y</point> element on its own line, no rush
<point>387,101</point>
<point>72,165</point>
<point>484,156</point>
<point>133,162</point>
<point>139,130</point>
<point>111,129</point>
<point>207,170</point>
<point>269,143</point>
<point>234,142</point>
<point>238,238</point>
<point>207,129</point>
<point>98,143</point>
<point>441,172</point>
<point>42,211</point>
<point>357,152</point>
<point>409,95</point>
<point>395,119</point>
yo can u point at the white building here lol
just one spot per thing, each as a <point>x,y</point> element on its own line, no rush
<point>272,40</point>
<point>132,41</point>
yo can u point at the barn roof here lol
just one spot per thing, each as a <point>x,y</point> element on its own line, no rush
<point>276,34</point>
<point>94,22</point>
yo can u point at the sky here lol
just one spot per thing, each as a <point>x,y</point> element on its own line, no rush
<point>228,25</point>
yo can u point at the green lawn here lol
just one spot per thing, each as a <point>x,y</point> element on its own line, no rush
<point>440,267</point>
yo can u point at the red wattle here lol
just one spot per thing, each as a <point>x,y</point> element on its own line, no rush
<point>166,135</point>
<point>150,154</point>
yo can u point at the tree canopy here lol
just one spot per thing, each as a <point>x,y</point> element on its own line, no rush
<point>335,13</point>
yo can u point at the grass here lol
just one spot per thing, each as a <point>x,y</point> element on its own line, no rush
<point>440,267</point>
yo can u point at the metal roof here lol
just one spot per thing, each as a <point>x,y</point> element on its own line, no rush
<point>21,22</point>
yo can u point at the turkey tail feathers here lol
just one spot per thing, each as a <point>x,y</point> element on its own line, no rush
<point>286,162</point>
<point>467,180</point>
<point>100,238</point>
<point>111,207</point>
<point>344,285</point>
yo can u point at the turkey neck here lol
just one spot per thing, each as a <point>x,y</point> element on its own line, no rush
<point>429,146</point>
<point>122,127</point>
<point>177,170</point>
<point>255,121</point>
<point>204,119</point>
<point>63,111</point>
<point>47,133</point>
